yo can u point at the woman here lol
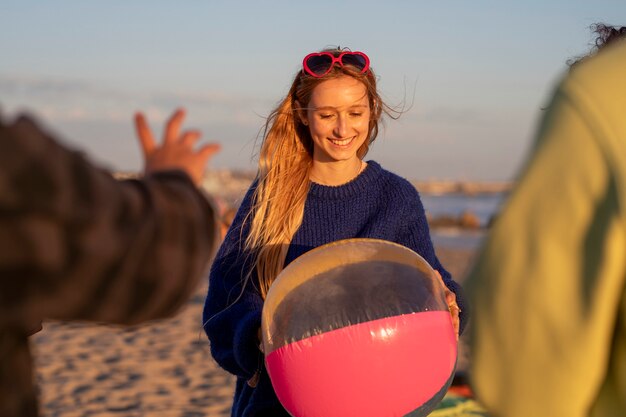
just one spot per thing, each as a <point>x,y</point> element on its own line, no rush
<point>312,188</point>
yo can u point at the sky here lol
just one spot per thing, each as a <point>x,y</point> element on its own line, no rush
<point>471,77</point>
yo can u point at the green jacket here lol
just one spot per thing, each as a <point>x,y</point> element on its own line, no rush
<point>548,289</point>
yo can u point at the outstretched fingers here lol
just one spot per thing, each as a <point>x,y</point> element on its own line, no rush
<point>189,138</point>
<point>172,129</point>
<point>177,151</point>
<point>208,150</point>
<point>146,139</point>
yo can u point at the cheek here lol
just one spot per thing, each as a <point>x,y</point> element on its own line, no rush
<point>364,125</point>
<point>318,129</point>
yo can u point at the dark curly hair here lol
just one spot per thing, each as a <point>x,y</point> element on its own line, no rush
<point>606,35</point>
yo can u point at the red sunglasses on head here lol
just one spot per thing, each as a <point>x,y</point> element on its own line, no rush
<point>319,64</point>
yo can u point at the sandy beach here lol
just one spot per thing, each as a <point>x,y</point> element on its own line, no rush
<point>163,368</point>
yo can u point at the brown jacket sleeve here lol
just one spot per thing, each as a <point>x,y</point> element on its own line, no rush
<point>77,244</point>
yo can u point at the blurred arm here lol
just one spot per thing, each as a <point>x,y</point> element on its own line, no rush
<point>77,244</point>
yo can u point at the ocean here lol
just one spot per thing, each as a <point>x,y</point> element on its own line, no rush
<point>484,206</point>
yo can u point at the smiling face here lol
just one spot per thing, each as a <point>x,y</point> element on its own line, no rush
<point>338,116</point>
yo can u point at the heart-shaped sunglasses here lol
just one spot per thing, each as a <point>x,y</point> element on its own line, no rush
<point>319,64</point>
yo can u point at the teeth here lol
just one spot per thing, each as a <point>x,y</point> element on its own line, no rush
<point>341,142</point>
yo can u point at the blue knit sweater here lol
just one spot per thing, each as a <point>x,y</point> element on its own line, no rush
<point>376,204</point>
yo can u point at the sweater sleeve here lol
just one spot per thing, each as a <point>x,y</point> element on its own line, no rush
<point>232,311</point>
<point>417,238</point>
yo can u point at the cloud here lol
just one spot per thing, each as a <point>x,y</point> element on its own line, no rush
<point>72,100</point>
<point>20,85</point>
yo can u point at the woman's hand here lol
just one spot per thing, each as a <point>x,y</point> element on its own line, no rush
<point>453,307</point>
<point>177,150</point>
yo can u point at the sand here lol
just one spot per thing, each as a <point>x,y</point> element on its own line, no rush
<point>163,368</point>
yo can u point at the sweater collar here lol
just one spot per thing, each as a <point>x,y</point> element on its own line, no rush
<point>370,177</point>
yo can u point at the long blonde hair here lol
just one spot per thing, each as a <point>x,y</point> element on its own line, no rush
<point>285,160</point>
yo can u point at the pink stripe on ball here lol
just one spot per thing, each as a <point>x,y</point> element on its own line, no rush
<point>385,367</point>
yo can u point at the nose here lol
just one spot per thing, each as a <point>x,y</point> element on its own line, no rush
<point>341,127</point>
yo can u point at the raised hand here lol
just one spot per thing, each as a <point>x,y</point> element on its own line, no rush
<point>177,150</point>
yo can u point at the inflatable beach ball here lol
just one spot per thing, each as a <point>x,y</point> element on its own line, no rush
<point>358,327</point>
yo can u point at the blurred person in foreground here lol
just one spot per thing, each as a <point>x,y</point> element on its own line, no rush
<point>76,244</point>
<point>549,288</point>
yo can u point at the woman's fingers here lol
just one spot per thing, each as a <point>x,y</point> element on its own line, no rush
<point>454,310</point>
<point>453,307</point>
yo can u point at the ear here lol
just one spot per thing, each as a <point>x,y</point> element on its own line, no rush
<point>301,114</point>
